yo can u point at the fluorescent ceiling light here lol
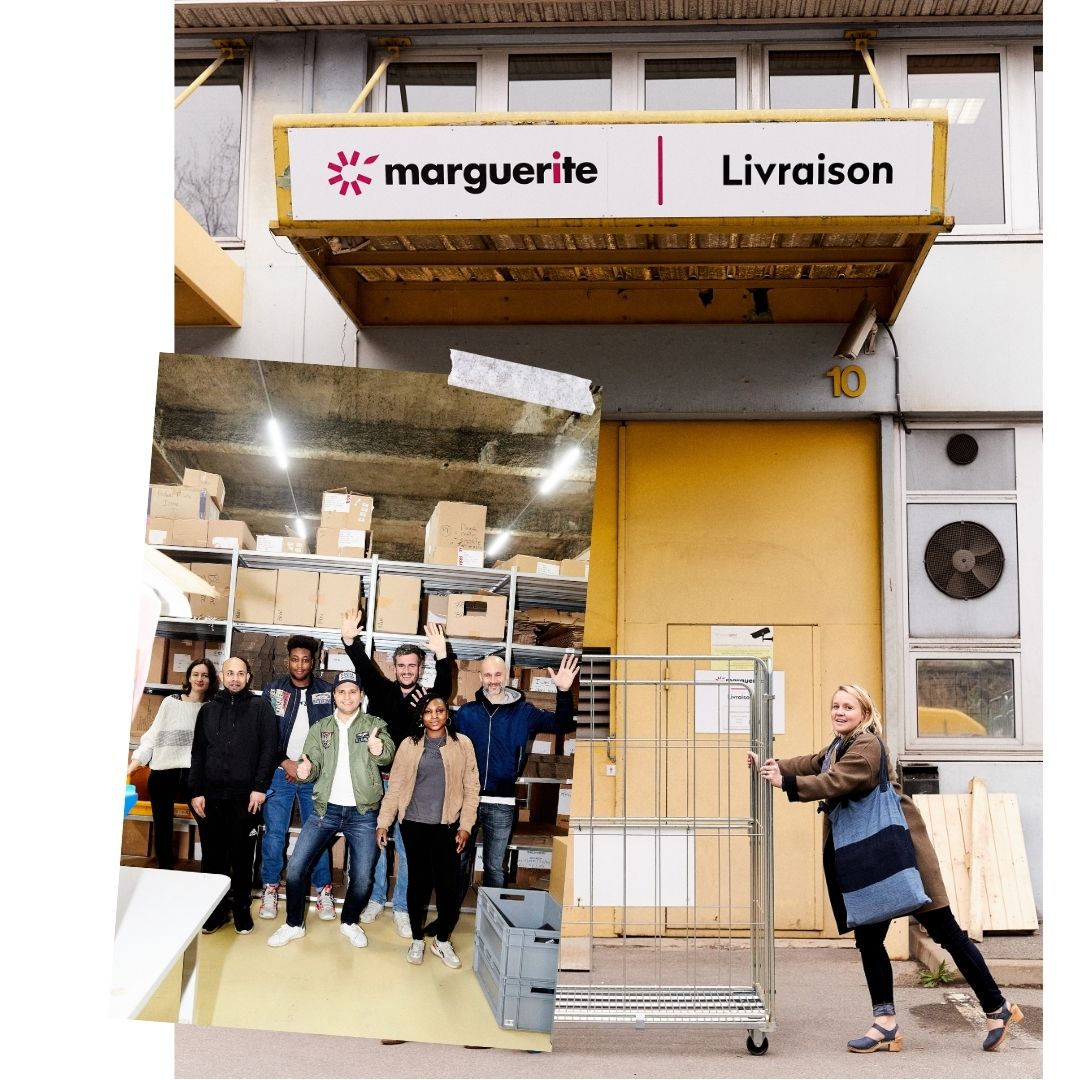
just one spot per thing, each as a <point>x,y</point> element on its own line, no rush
<point>499,542</point>
<point>300,528</point>
<point>277,442</point>
<point>560,469</point>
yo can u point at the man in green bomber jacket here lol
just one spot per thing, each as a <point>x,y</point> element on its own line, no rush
<point>347,793</point>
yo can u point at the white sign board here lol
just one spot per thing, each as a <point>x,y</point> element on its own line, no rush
<point>722,702</point>
<point>639,866</point>
<point>594,171</point>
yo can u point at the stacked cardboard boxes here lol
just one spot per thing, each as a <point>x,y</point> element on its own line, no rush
<point>345,524</point>
<point>547,626</point>
<point>533,564</point>
<point>189,514</point>
<point>455,534</point>
<point>281,545</point>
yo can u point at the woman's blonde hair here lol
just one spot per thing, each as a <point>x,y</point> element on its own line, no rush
<point>871,720</point>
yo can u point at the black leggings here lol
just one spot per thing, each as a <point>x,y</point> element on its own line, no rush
<point>943,928</point>
<point>433,863</point>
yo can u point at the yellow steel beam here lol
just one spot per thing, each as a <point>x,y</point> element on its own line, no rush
<point>229,48</point>
<point>859,38</point>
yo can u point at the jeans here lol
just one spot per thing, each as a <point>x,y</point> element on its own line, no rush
<point>943,928</point>
<point>228,834</point>
<point>277,814</point>
<point>401,876</point>
<point>316,837</point>
<point>497,821</point>
<point>166,787</point>
<point>434,858</point>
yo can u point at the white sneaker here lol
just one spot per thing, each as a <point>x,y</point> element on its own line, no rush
<point>415,955</point>
<point>445,952</point>
<point>372,911</point>
<point>404,926</point>
<point>324,903</point>
<point>268,906</point>
<point>355,934</point>
<point>284,934</point>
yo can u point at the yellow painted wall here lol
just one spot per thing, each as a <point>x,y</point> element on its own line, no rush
<point>772,523</point>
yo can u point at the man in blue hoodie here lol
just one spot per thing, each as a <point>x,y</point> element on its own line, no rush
<point>500,723</point>
<point>299,701</point>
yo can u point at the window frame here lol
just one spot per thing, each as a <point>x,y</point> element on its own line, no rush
<point>210,54</point>
<point>376,101</point>
<point>815,46</point>
<point>740,54</point>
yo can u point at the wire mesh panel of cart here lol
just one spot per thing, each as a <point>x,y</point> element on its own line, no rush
<point>669,908</point>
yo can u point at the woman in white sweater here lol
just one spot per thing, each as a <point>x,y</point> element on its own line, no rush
<point>166,747</point>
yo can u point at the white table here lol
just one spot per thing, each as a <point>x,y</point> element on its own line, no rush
<point>159,917</point>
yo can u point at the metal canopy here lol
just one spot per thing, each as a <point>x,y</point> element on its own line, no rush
<point>614,270</point>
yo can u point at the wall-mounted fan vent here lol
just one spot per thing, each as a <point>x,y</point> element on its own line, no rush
<point>964,560</point>
<point>962,449</point>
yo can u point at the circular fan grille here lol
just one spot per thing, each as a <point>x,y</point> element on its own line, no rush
<point>964,560</point>
<point>962,449</point>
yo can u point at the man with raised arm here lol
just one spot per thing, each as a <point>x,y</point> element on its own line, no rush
<point>395,700</point>
<point>500,723</point>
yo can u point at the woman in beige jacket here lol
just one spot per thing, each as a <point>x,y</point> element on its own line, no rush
<point>434,792</point>
<point>850,768</point>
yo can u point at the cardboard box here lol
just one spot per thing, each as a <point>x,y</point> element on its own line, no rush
<point>158,654</point>
<point>338,660</point>
<point>253,601</point>
<point>297,598</point>
<point>337,594</point>
<point>210,481</point>
<point>215,575</point>
<point>216,655</point>
<point>230,534</point>
<point>159,530</point>
<point>348,543</point>
<point>191,532</point>
<point>182,651</point>
<point>282,545</point>
<point>578,568</point>
<point>467,682</point>
<point>397,604</point>
<point>476,615</point>
<point>144,714</point>
<point>433,609</point>
<point>344,509</point>
<point>178,501</point>
<point>531,564</point>
<point>455,534</point>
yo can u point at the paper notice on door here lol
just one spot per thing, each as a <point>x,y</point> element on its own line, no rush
<point>722,702</point>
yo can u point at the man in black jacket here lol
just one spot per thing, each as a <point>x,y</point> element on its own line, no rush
<point>395,701</point>
<point>232,760</point>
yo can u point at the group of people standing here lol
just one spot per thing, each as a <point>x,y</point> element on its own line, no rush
<point>407,769</point>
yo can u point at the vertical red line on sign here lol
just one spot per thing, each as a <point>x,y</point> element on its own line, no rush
<point>660,170</point>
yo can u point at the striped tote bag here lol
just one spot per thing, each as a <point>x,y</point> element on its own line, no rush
<point>875,856</point>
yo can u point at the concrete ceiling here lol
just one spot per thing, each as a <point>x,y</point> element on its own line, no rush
<point>407,439</point>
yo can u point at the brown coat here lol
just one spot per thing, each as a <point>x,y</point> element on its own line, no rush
<point>462,797</point>
<point>853,774</point>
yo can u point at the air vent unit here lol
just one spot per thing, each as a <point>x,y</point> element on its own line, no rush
<point>962,449</point>
<point>964,560</point>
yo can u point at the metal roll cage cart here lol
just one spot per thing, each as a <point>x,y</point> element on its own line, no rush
<point>669,914</point>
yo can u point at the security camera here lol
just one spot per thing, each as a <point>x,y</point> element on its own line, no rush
<point>860,334</point>
<point>764,632</point>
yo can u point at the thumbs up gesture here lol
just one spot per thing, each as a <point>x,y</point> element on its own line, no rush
<point>303,767</point>
<point>374,744</point>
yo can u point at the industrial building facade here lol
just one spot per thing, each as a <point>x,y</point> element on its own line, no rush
<point>881,512</point>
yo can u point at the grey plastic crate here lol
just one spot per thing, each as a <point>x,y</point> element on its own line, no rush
<point>521,1004</point>
<point>520,928</point>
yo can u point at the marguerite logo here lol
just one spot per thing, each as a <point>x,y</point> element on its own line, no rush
<point>345,173</point>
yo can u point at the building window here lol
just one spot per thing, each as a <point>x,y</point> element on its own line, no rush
<point>707,83</point>
<point>436,87</point>
<point>207,145</point>
<point>969,87</point>
<point>572,82</point>
<point>966,698</point>
<point>1038,59</point>
<point>819,79</point>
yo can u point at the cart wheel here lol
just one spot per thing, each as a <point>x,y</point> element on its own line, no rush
<point>757,1049</point>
